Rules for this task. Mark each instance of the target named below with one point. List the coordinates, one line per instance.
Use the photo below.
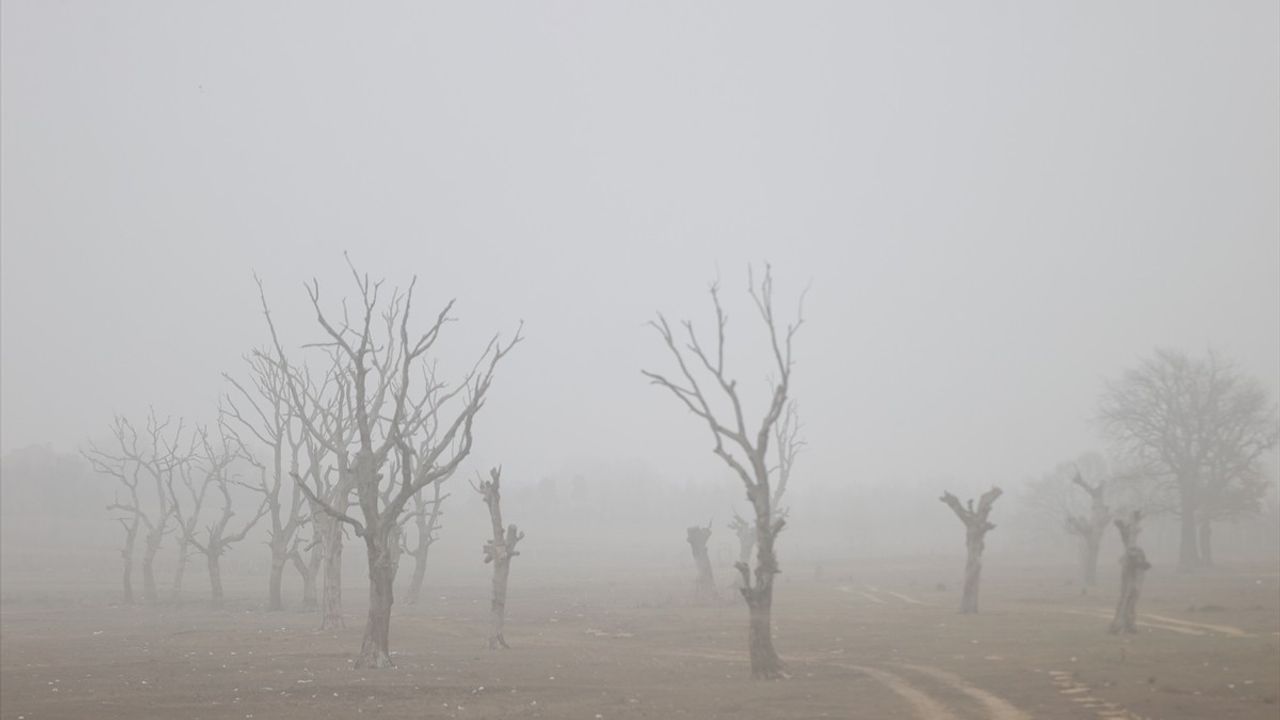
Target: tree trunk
(765, 663)
(419, 572)
(130, 539)
(275, 598)
(148, 571)
(215, 578)
(175, 595)
(1188, 545)
(1206, 544)
(972, 573)
(375, 650)
(705, 585)
(331, 593)
(307, 570)
(1090, 547)
(498, 605)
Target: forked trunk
(375, 650)
(1133, 568)
(704, 585)
(308, 569)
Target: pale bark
(426, 518)
(976, 528)
(1133, 569)
(704, 586)
(130, 539)
(746, 454)
(1091, 529)
(499, 550)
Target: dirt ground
(859, 642)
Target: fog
(995, 208)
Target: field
(884, 643)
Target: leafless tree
(976, 527)
(129, 512)
(498, 550)
(378, 362)
(186, 519)
(155, 458)
(1133, 568)
(747, 454)
(1090, 528)
(212, 473)
(259, 410)
(704, 586)
(426, 519)
(787, 440)
(1198, 429)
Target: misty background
(995, 211)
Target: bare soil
(880, 643)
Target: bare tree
(187, 520)
(426, 519)
(1198, 429)
(1090, 529)
(260, 409)
(1133, 568)
(746, 454)
(976, 528)
(498, 550)
(154, 457)
(214, 469)
(704, 587)
(129, 511)
(378, 361)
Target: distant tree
(498, 550)
(976, 528)
(211, 473)
(1074, 494)
(1197, 429)
(1133, 568)
(704, 586)
(257, 413)
(426, 519)
(153, 458)
(748, 455)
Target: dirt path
(997, 707)
(924, 707)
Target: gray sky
(997, 204)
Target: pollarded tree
(498, 550)
(746, 453)
(1133, 568)
(1198, 429)
(704, 586)
(155, 458)
(426, 519)
(431, 427)
(976, 527)
(1090, 528)
(211, 473)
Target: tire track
(924, 706)
(997, 707)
